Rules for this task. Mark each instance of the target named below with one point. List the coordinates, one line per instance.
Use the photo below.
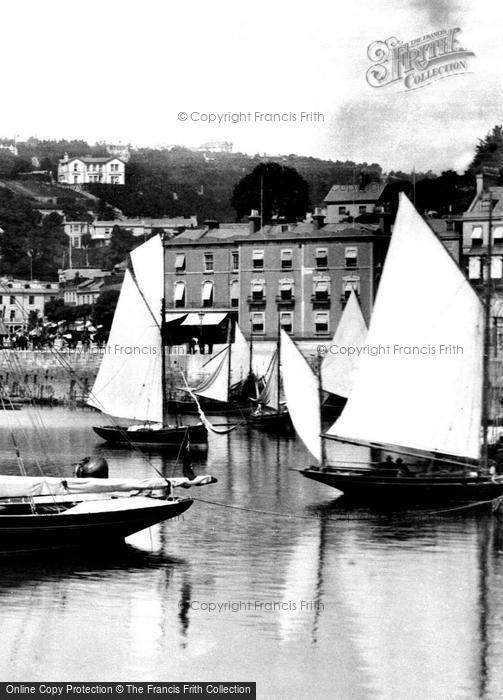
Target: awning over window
(474, 268)
(180, 261)
(351, 284)
(321, 287)
(285, 285)
(179, 291)
(258, 255)
(206, 319)
(351, 252)
(477, 232)
(258, 285)
(170, 318)
(207, 290)
(498, 233)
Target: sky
(122, 71)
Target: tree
(121, 243)
(280, 190)
(104, 308)
(489, 151)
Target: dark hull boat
(277, 423)
(396, 491)
(73, 524)
(172, 438)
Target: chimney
(480, 183)
(254, 221)
(318, 218)
(211, 224)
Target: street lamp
(201, 317)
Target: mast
(163, 363)
(487, 335)
(278, 368)
(320, 394)
(229, 339)
(250, 368)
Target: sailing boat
(421, 390)
(39, 513)
(230, 380)
(131, 382)
(338, 368)
(272, 413)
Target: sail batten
(302, 395)
(420, 383)
(338, 369)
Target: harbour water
(266, 578)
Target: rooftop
(353, 193)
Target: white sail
(240, 357)
(422, 387)
(128, 384)
(270, 394)
(339, 365)
(31, 486)
(302, 395)
(216, 385)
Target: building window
(234, 293)
(362, 209)
(476, 236)
(342, 210)
(321, 290)
(286, 321)
(258, 290)
(1, 299)
(321, 258)
(258, 259)
(496, 267)
(321, 322)
(474, 267)
(286, 290)
(498, 235)
(350, 284)
(180, 262)
(13, 300)
(286, 259)
(31, 299)
(12, 314)
(258, 319)
(207, 294)
(179, 295)
(235, 261)
(208, 262)
(351, 257)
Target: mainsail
(339, 365)
(270, 395)
(128, 384)
(216, 385)
(302, 395)
(419, 385)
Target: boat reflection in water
(400, 604)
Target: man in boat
(403, 469)
(188, 472)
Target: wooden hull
(168, 438)
(397, 491)
(24, 533)
(276, 423)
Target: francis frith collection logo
(419, 62)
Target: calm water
(365, 606)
